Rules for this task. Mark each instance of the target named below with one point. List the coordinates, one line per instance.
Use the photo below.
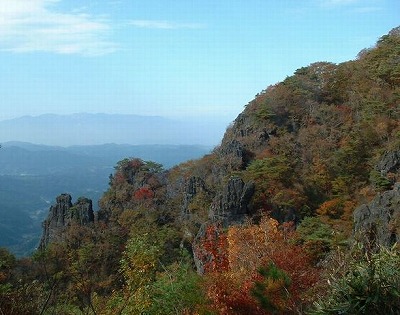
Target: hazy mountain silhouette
(90, 129)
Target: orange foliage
(319, 174)
(266, 153)
(248, 248)
(3, 277)
(337, 208)
(228, 296)
(348, 209)
(135, 163)
(332, 208)
(119, 179)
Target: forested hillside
(296, 211)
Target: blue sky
(203, 59)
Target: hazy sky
(179, 58)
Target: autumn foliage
(235, 264)
(307, 152)
(143, 194)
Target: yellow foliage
(249, 246)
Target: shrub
(369, 286)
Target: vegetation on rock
(258, 226)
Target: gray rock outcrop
(233, 204)
(63, 214)
(378, 223)
(389, 163)
(193, 186)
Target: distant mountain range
(90, 129)
(24, 158)
(31, 176)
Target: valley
(31, 176)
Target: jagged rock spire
(62, 214)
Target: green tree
(316, 237)
(273, 289)
(177, 290)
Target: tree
(272, 290)
(249, 249)
(177, 290)
(317, 237)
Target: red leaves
(143, 193)
(228, 296)
(232, 259)
(212, 250)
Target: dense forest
(297, 211)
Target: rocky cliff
(63, 214)
(232, 204)
(306, 146)
(378, 222)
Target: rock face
(63, 214)
(234, 152)
(193, 186)
(378, 223)
(229, 207)
(389, 163)
(232, 205)
(244, 129)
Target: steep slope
(304, 147)
(378, 222)
(310, 143)
(259, 215)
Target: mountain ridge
(95, 129)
